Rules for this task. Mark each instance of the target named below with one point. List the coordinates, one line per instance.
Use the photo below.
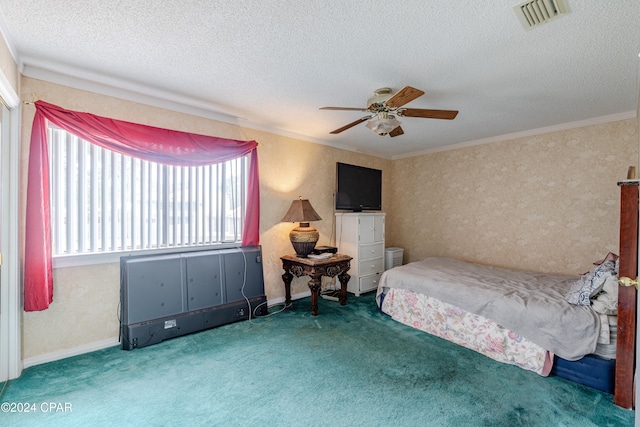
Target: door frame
(10, 280)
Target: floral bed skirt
(466, 329)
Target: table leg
(344, 279)
(287, 278)
(314, 286)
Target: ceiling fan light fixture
(383, 124)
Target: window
(103, 202)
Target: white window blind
(102, 201)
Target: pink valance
(144, 142)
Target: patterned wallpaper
(548, 202)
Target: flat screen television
(358, 188)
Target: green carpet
(348, 366)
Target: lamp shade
(304, 237)
(301, 211)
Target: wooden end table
(337, 265)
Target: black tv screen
(358, 188)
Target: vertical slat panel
(71, 195)
(123, 204)
(183, 207)
(205, 204)
(175, 204)
(231, 223)
(164, 218)
(219, 197)
(143, 181)
(115, 206)
(104, 196)
(132, 204)
(236, 181)
(177, 197)
(81, 180)
(197, 201)
(185, 190)
(155, 205)
(229, 201)
(222, 201)
(243, 198)
(213, 221)
(147, 217)
(154, 193)
(208, 204)
(189, 190)
(94, 193)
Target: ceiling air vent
(537, 12)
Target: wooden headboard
(627, 295)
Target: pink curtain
(145, 142)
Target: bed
(536, 321)
(515, 317)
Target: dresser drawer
(370, 266)
(369, 283)
(371, 250)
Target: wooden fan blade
(350, 125)
(428, 114)
(344, 109)
(396, 132)
(407, 94)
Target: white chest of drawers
(361, 236)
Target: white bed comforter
(531, 304)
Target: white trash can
(392, 257)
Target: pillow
(606, 302)
(590, 284)
(610, 257)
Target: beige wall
(547, 203)
(85, 306)
(8, 66)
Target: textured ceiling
(270, 64)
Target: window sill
(66, 261)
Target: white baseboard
(280, 300)
(99, 345)
(63, 354)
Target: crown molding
(525, 134)
(4, 31)
(122, 89)
(128, 91)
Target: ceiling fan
(384, 106)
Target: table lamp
(304, 237)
